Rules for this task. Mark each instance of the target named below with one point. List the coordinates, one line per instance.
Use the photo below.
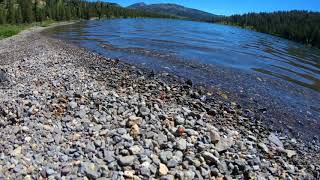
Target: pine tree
(2, 13)
(27, 11)
(11, 16)
(37, 11)
(68, 13)
(19, 18)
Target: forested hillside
(27, 11)
(301, 26)
(174, 10)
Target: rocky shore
(66, 113)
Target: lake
(256, 69)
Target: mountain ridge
(174, 10)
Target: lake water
(255, 68)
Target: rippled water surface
(260, 71)
(265, 73)
(162, 42)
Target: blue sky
(228, 7)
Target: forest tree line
(300, 26)
(28, 11)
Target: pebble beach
(68, 113)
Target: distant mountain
(137, 5)
(114, 4)
(174, 10)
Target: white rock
(17, 151)
(163, 170)
(290, 153)
(215, 136)
(129, 174)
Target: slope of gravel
(66, 113)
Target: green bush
(47, 23)
(10, 30)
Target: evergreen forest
(300, 26)
(28, 11)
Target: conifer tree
(19, 18)
(11, 17)
(27, 13)
(2, 13)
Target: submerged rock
(275, 140)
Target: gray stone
(224, 144)
(49, 171)
(144, 111)
(180, 175)
(172, 163)
(122, 131)
(179, 120)
(275, 140)
(263, 147)
(181, 144)
(126, 160)
(252, 138)
(18, 168)
(65, 170)
(135, 149)
(109, 156)
(90, 170)
(178, 155)
(189, 175)
(215, 171)
(191, 132)
(199, 176)
(81, 114)
(153, 168)
(204, 172)
(167, 177)
(64, 158)
(165, 156)
(256, 168)
(145, 171)
(210, 158)
(161, 138)
(90, 147)
(241, 163)
(73, 105)
(215, 136)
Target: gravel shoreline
(66, 113)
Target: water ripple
(203, 43)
